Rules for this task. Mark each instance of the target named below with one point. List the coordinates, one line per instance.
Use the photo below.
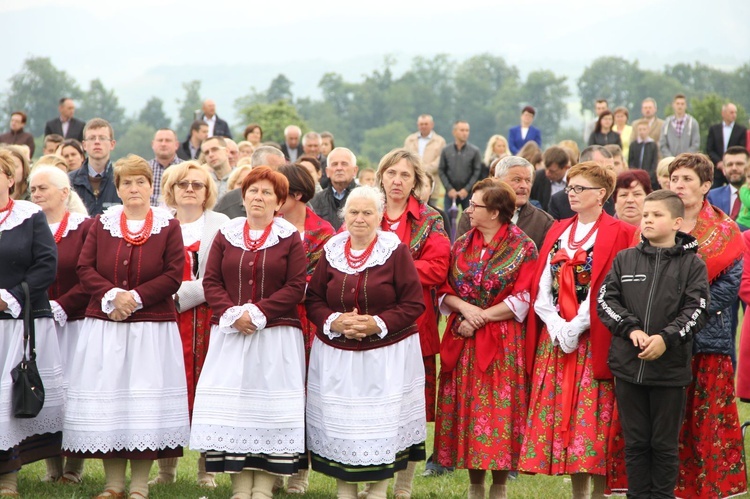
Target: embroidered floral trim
(13, 306)
(59, 313)
(247, 440)
(22, 211)
(111, 220)
(334, 248)
(234, 229)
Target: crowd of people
(279, 309)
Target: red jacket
(67, 290)
(153, 270)
(613, 236)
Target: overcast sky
(122, 41)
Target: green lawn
(445, 487)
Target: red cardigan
(743, 371)
(273, 279)
(153, 270)
(614, 235)
(67, 290)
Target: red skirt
(481, 415)
(195, 331)
(711, 464)
(543, 449)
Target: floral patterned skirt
(711, 464)
(544, 449)
(481, 416)
(195, 331)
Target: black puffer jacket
(660, 291)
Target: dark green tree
(273, 118)
(136, 140)
(611, 78)
(189, 104)
(36, 90)
(99, 102)
(279, 89)
(153, 114)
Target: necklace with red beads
(139, 237)
(356, 262)
(253, 244)
(9, 209)
(390, 221)
(575, 245)
(61, 229)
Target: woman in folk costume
(27, 254)
(314, 232)
(420, 227)
(127, 397)
(711, 463)
(189, 189)
(483, 393)
(249, 413)
(572, 394)
(365, 392)
(69, 223)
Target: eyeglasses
(473, 205)
(578, 189)
(194, 184)
(99, 138)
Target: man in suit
(231, 204)
(66, 125)
(292, 147)
(191, 148)
(726, 198)
(648, 115)
(217, 127)
(721, 137)
(559, 205)
(519, 135)
(428, 145)
(553, 178)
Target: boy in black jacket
(654, 300)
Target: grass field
(453, 486)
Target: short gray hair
(309, 136)
(261, 154)
(369, 193)
(289, 128)
(348, 151)
(508, 162)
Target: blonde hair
(662, 168)
(51, 160)
(599, 175)
(235, 175)
(177, 172)
(489, 151)
(414, 161)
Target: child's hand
(655, 347)
(639, 338)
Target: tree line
(375, 114)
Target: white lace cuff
(14, 308)
(327, 326)
(137, 298)
(58, 312)
(568, 337)
(258, 317)
(554, 328)
(228, 318)
(519, 305)
(381, 325)
(107, 306)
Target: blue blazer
(720, 198)
(516, 142)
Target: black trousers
(651, 419)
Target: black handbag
(28, 391)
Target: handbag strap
(29, 337)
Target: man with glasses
(215, 154)
(165, 145)
(94, 181)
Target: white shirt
(65, 126)
(727, 131)
(211, 122)
(422, 143)
(524, 131)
